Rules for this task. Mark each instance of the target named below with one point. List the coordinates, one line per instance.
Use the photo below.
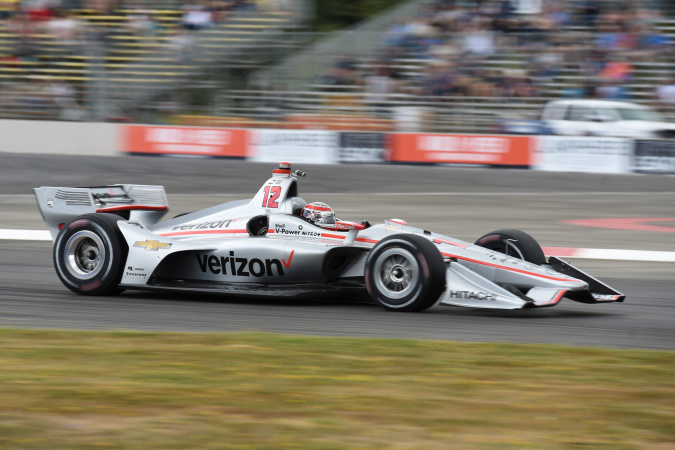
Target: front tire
(405, 272)
(89, 255)
(514, 242)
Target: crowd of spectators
(59, 36)
(87, 22)
(460, 49)
(455, 48)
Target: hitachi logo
(470, 295)
(242, 267)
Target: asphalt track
(462, 202)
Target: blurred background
(368, 65)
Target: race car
(111, 238)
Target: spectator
(481, 85)
(517, 84)
(610, 38)
(197, 17)
(64, 99)
(343, 73)
(558, 16)
(591, 63)
(395, 35)
(182, 45)
(379, 86)
(141, 23)
(66, 32)
(447, 19)
(618, 69)
(504, 19)
(587, 12)
(653, 44)
(546, 65)
(479, 41)
(443, 51)
(25, 32)
(612, 89)
(440, 80)
(39, 10)
(665, 92)
(64, 28)
(419, 32)
(103, 7)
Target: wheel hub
(85, 254)
(397, 273)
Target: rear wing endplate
(142, 203)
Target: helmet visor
(325, 218)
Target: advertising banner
(296, 146)
(184, 141)
(654, 156)
(582, 154)
(460, 149)
(362, 148)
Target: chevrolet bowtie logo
(151, 245)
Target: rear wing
(59, 205)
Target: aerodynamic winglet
(598, 292)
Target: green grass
(77, 390)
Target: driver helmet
(319, 214)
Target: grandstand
(110, 62)
(428, 65)
(331, 85)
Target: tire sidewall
(107, 279)
(416, 300)
(525, 244)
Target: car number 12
(270, 198)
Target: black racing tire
(405, 272)
(90, 253)
(520, 245)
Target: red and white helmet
(320, 214)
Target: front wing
(467, 288)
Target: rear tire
(405, 272)
(520, 245)
(90, 253)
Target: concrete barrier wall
(59, 138)
(553, 153)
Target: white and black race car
(108, 239)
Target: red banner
(184, 141)
(460, 149)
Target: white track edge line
(25, 235)
(616, 254)
(435, 193)
(582, 253)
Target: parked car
(586, 117)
